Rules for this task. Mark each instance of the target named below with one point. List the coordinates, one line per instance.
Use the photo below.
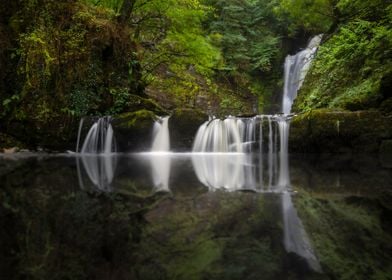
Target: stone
(325, 131)
(183, 126)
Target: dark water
(195, 217)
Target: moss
(135, 103)
(351, 70)
(324, 130)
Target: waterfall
(161, 162)
(231, 135)
(161, 140)
(99, 139)
(295, 69)
(244, 136)
(238, 135)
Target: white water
(222, 154)
(161, 139)
(295, 69)
(99, 139)
(239, 135)
(161, 163)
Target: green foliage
(110, 4)
(349, 67)
(314, 15)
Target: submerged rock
(324, 131)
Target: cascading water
(161, 164)
(96, 153)
(295, 69)
(99, 139)
(161, 140)
(239, 134)
(235, 140)
(296, 239)
(243, 136)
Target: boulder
(183, 126)
(133, 130)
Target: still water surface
(195, 216)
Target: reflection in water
(100, 170)
(296, 239)
(160, 164)
(228, 171)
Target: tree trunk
(126, 10)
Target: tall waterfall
(271, 132)
(295, 69)
(99, 139)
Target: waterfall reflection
(228, 171)
(100, 170)
(160, 170)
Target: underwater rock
(324, 131)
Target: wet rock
(133, 130)
(183, 126)
(136, 103)
(324, 131)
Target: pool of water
(195, 216)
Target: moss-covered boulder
(183, 126)
(339, 131)
(133, 130)
(136, 103)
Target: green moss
(134, 119)
(324, 130)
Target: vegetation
(64, 60)
(352, 70)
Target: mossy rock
(183, 126)
(137, 103)
(133, 130)
(328, 131)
